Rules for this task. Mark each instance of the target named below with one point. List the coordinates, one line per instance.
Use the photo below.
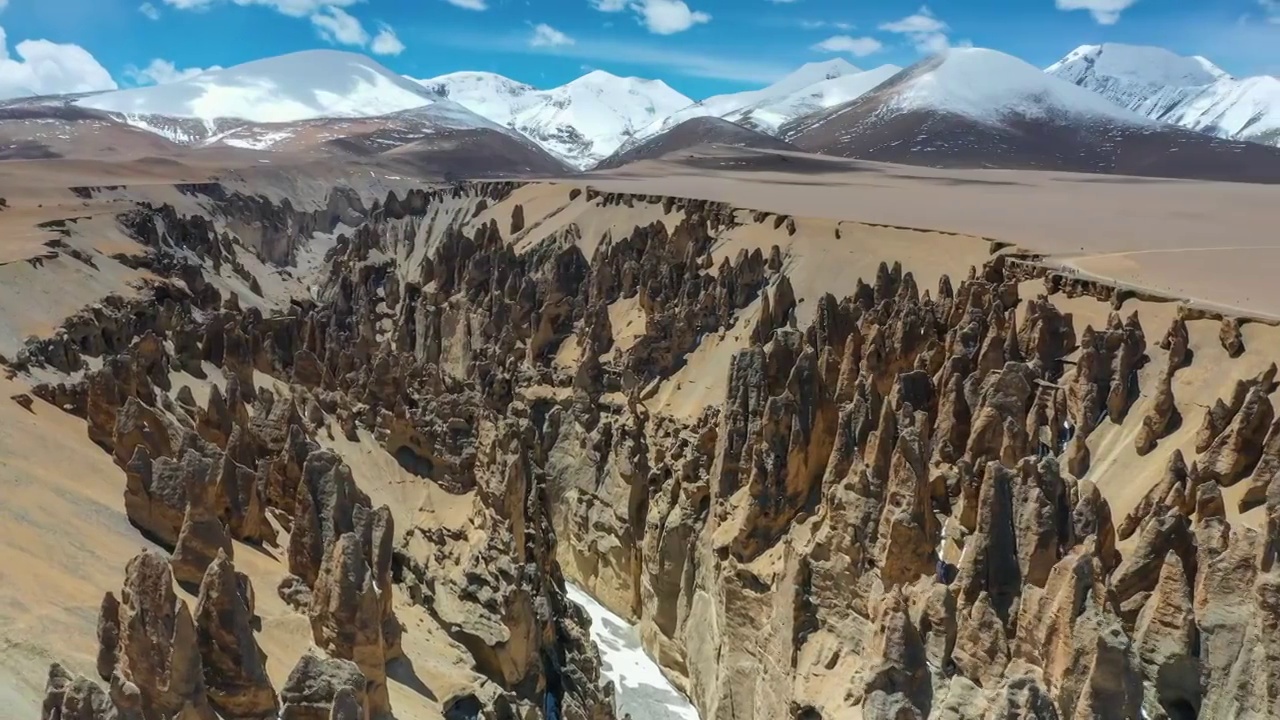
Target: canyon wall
(827, 479)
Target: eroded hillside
(832, 470)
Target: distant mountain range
(980, 108)
(1103, 108)
(1189, 92)
(582, 122)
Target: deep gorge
(815, 500)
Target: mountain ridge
(974, 108)
(309, 100)
(1190, 92)
(582, 122)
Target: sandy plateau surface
(1210, 241)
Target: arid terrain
(310, 437)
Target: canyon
(285, 442)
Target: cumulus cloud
(546, 36)
(386, 42)
(336, 25)
(925, 31)
(48, 68)
(856, 46)
(469, 4)
(1104, 12)
(923, 21)
(149, 10)
(667, 17)
(159, 72)
(330, 20)
(661, 17)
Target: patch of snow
(154, 125)
(642, 689)
(260, 141)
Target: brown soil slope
(691, 134)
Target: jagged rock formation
(199, 477)
(235, 667)
(323, 688)
(890, 512)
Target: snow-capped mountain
(490, 95)
(770, 113)
(975, 108)
(988, 86)
(288, 88)
(582, 122)
(1188, 91)
(723, 106)
(264, 103)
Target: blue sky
(700, 47)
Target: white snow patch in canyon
(642, 689)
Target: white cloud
(335, 25)
(292, 8)
(820, 24)
(469, 4)
(925, 31)
(49, 68)
(546, 36)
(856, 46)
(923, 21)
(667, 17)
(386, 42)
(331, 21)
(661, 17)
(149, 10)
(159, 72)
(1105, 12)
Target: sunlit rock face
(643, 691)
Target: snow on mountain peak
(813, 72)
(739, 103)
(771, 113)
(289, 88)
(468, 81)
(1188, 91)
(1152, 65)
(582, 121)
(988, 85)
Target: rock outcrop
(234, 666)
(890, 512)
